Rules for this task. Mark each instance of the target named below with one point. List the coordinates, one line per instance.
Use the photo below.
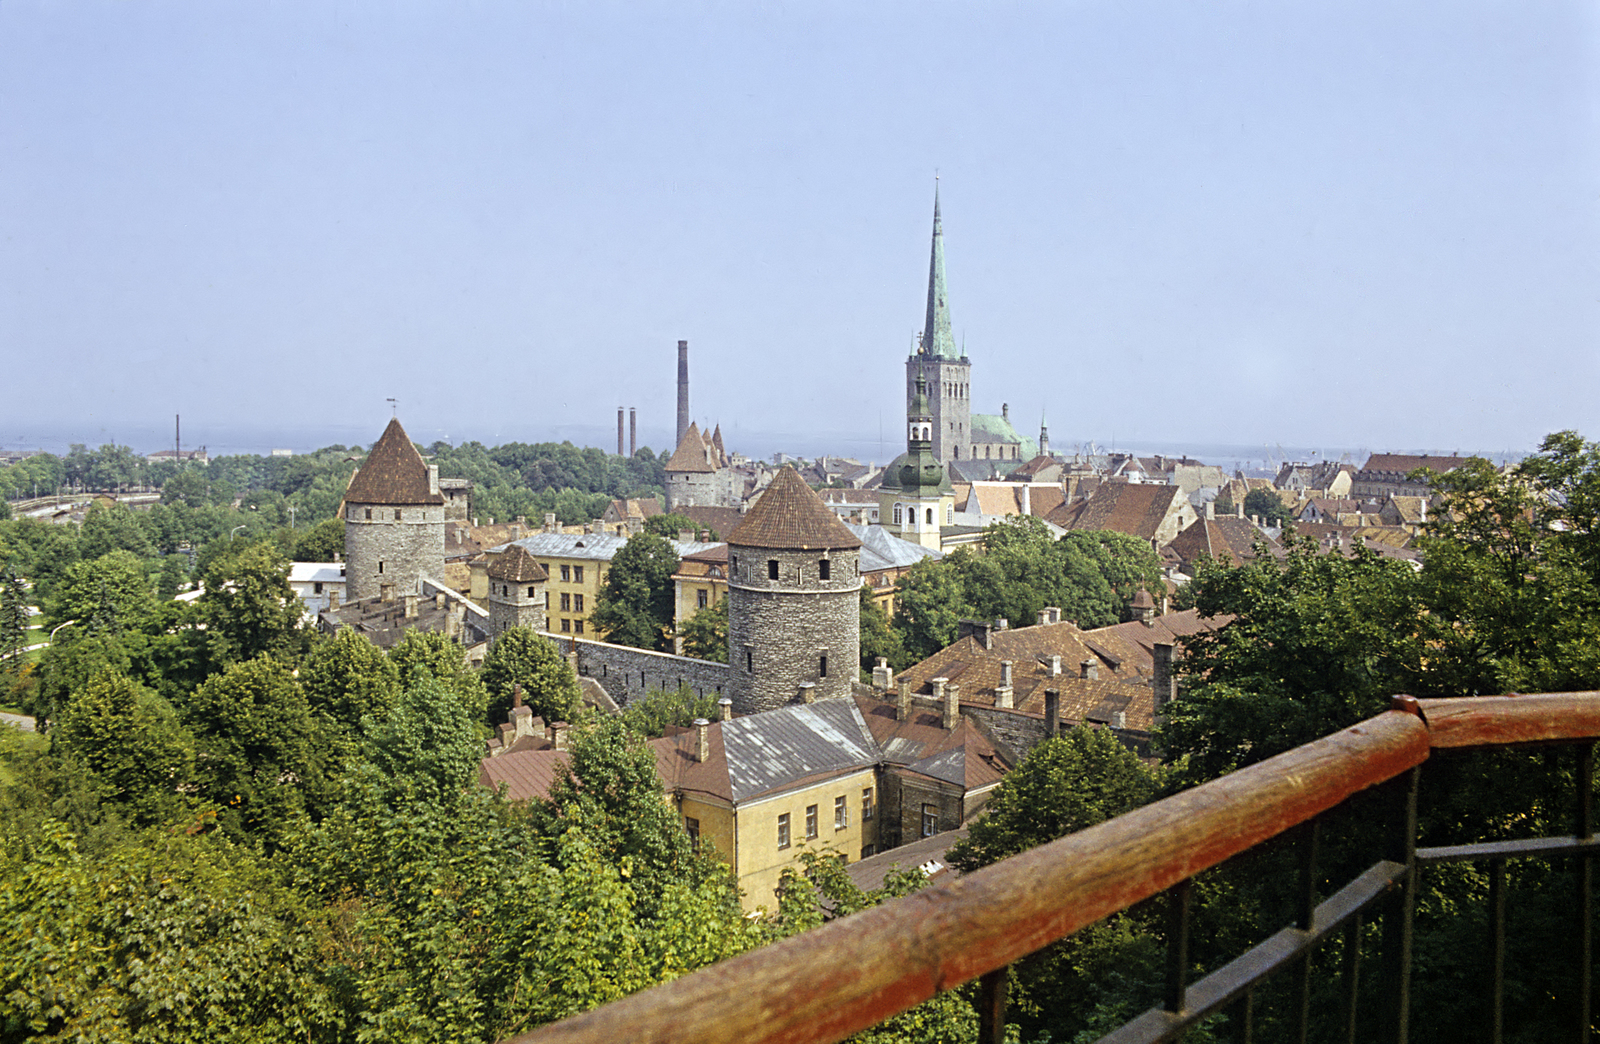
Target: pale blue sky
(1358, 224)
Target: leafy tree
(13, 613)
(671, 524)
(1317, 642)
(67, 666)
(133, 744)
(428, 739)
(346, 678)
(115, 528)
(1082, 777)
(519, 656)
(929, 605)
(249, 608)
(170, 937)
(610, 787)
(651, 714)
(878, 636)
(635, 603)
(1265, 504)
(174, 574)
(260, 755)
(321, 542)
(435, 654)
(110, 592)
(705, 634)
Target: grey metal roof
(881, 549)
(768, 751)
(951, 766)
(600, 547)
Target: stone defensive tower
(516, 591)
(794, 611)
(393, 521)
(946, 371)
(683, 390)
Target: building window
(692, 825)
(566, 626)
(577, 626)
(930, 516)
(930, 820)
(316, 588)
(547, 601)
(811, 822)
(700, 598)
(867, 851)
(783, 830)
(577, 603)
(866, 803)
(822, 667)
(566, 602)
(397, 514)
(824, 569)
(577, 574)
(841, 813)
(533, 592)
(369, 513)
(898, 517)
(380, 567)
(772, 569)
(566, 574)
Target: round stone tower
(794, 611)
(393, 521)
(516, 591)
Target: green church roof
(936, 337)
(989, 427)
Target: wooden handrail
(855, 972)
(1500, 721)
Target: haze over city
(1165, 226)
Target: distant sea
(263, 439)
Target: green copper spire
(936, 337)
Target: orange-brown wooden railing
(855, 972)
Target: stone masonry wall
(408, 550)
(779, 630)
(516, 610)
(627, 673)
(1017, 733)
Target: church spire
(936, 337)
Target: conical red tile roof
(516, 566)
(790, 516)
(393, 473)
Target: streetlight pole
(232, 531)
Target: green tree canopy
(249, 608)
(1267, 505)
(635, 604)
(131, 741)
(346, 678)
(651, 714)
(705, 634)
(520, 656)
(436, 654)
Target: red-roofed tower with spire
(393, 521)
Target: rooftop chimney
(882, 676)
(1163, 682)
(1052, 713)
(1089, 669)
(433, 479)
(952, 706)
(702, 747)
(550, 522)
(904, 707)
(808, 692)
(1003, 693)
(1055, 665)
(558, 735)
(725, 708)
(411, 607)
(1027, 501)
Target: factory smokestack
(683, 391)
(633, 431)
(619, 431)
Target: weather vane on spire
(394, 407)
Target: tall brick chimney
(619, 431)
(633, 431)
(702, 746)
(683, 392)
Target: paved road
(19, 721)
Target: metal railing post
(1398, 917)
(1497, 949)
(992, 1007)
(1310, 837)
(1352, 976)
(1178, 943)
(1585, 831)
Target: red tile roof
(790, 516)
(393, 473)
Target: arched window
(897, 516)
(930, 516)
